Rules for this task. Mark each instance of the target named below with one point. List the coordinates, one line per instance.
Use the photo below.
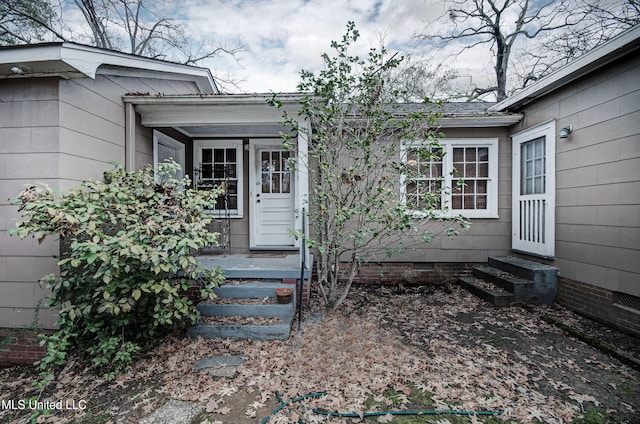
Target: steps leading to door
(239, 306)
(509, 280)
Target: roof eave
(70, 60)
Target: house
(586, 117)
(67, 110)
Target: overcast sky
(284, 36)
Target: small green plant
(127, 258)
(592, 416)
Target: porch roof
(202, 115)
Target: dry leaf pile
(466, 354)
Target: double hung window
(219, 164)
(459, 177)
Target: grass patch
(415, 399)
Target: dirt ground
(422, 350)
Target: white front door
(272, 192)
(533, 208)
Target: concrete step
(534, 271)
(250, 290)
(495, 297)
(250, 331)
(516, 285)
(244, 332)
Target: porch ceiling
(238, 130)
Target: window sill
(220, 215)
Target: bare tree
(502, 24)
(418, 78)
(603, 19)
(140, 27)
(144, 28)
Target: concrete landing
(258, 266)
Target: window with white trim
(460, 177)
(220, 164)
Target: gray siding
(597, 176)
(29, 152)
(487, 236)
(58, 132)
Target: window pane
(436, 170)
(456, 202)
(276, 160)
(483, 154)
(218, 155)
(231, 171)
(286, 182)
(458, 169)
(218, 171)
(483, 170)
(232, 187)
(233, 202)
(458, 155)
(470, 154)
(529, 169)
(231, 155)
(470, 170)
(266, 183)
(481, 186)
(539, 187)
(275, 187)
(285, 161)
(265, 161)
(470, 188)
(207, 171)
(469, 202)
(539, 148)
(538, 169)
(481, 202)
(207, 155)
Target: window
(459, 178)
(219, 164)
(532, 178)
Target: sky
(285, 36)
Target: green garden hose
(284, 404)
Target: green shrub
(127, 258)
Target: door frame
(255, 181)
(546, 249)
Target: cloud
(285, 36)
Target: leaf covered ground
(420, 350)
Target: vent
(626, 301)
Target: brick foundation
(20, 346)
(597, 303)
(410, 273)
(306, 294)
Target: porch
(259, 266)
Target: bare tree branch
(503, 25)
